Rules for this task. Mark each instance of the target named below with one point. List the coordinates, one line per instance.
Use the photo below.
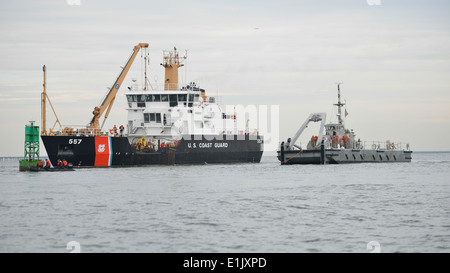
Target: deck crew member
(47, 164)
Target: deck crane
(108, 101)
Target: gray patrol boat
(335, 144)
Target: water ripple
(230, 208)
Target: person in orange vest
(47, 164)
(121, 128)
(64, 163)
(139, 144)
(59, 164)
(115, 130)
(39, 164)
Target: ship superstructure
(172, 110)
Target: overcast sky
(393, 58)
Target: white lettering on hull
(204, 145)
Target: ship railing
(167, 87)
(214, 99)
(368, 145)
(159, 87)
(79, 131)
(383, 145)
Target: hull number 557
(75, 141)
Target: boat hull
(343, 156)
(87, 151)
(37, 169)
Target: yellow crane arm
(111, 96)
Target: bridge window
(148, 98)
(156, 97)
(152, 117)
(131, 98)
(164, 98)
(173, 100)
(140, 98)
(191, 100)
(182, 97)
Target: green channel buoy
(31, 147)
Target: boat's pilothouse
(174, 113)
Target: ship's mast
(44, 99)
(171, 63)
(146, 61)
(43, 105)
(339, 104)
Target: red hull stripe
(103, 153)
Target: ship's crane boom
(314, 117)
(107, 103)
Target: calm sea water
(404, 207)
